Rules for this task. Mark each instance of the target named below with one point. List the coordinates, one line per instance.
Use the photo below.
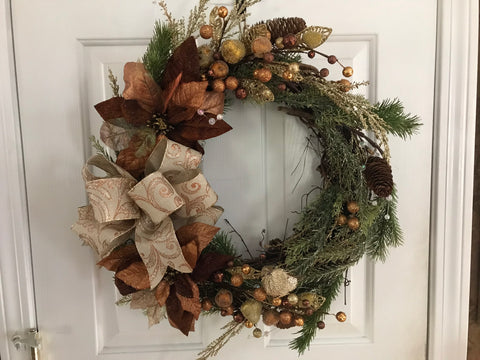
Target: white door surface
(63, 50)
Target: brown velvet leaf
(134, 157)
(168, 92)
(198, 128)
(193, 238)
(184, 60)
(115, 137)
(183, 285)
(123, 288)
(134, 114)
(177, 317)
(213, 102)
(120, 258)
(162, 292)
(140, 86)
(209, 263)
(135, 275)
(143, 299)
(185, 102)
(110, 109)
(190, 304)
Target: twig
(240, 236)
(370, 141)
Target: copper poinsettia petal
(184, 285)
(189, 303)
(123, 288)
(184, 60)
(162, 292)
(120, 258)
(193, 144)
(110, 109)
(213, 102)
(199, 128)
(140, 86)
(135, 275)
(208, 264)
(134, 114)
(193, 238)
(168, 93)
(134, 157)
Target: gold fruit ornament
(233, 51)
(252, 310)
(219, 69)
(206, 31)
(312, 39)
(260, 46)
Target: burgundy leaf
(199, 128)
(209, 263)
(184, 60)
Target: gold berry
(353, 207)
(353, 223)
(218, 85)
(231, 83)
(236, 280)
(246, 269)
(260, 294)
(222, 11)
(257, 333)
(248, 324)
(347, 71)
(292, 299)
(341, 220)
(277, 302)
(206, 31)
(299, 321)
(288, 75)
(219, 69)
(341, 316)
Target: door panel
(259, 171)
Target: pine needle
(158, 51)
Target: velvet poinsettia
(180, 107)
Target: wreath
(151, 218)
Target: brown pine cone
(280, 27)
(378, 175)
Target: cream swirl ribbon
(120, 206)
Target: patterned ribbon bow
(119, 205)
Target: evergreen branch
(222, 244)
(113, 83)
(100, 149)
(158, 51)
(398, 122)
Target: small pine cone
(280, 27)
(378, 174)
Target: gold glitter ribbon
(120, 206)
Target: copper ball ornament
(238, 317)
(218, 85)
(324, 72)
(346, 85)
(321, 325)
(246, 269)
(219, 69)
(263, 75)
(353, 207)
(299, 321)
(248, 324)
(231, 83)
(311, 54)
(341, 316)
(289, 41)
(222, 11)
(227, 311)
(268, 57)
(241, 93)
(341, 220)
(277, 302)
(286, 317)
(347, 71)
(259, 294)
(236, 280)
(224, 298)
(353, 223)
(332, 59)
(309, 312)
(206, 31)
(271, 317)
(206, 305)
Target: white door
(63, 50)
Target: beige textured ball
(278, 283)
(260, 46)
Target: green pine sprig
(159, 50)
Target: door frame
(451, 197)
